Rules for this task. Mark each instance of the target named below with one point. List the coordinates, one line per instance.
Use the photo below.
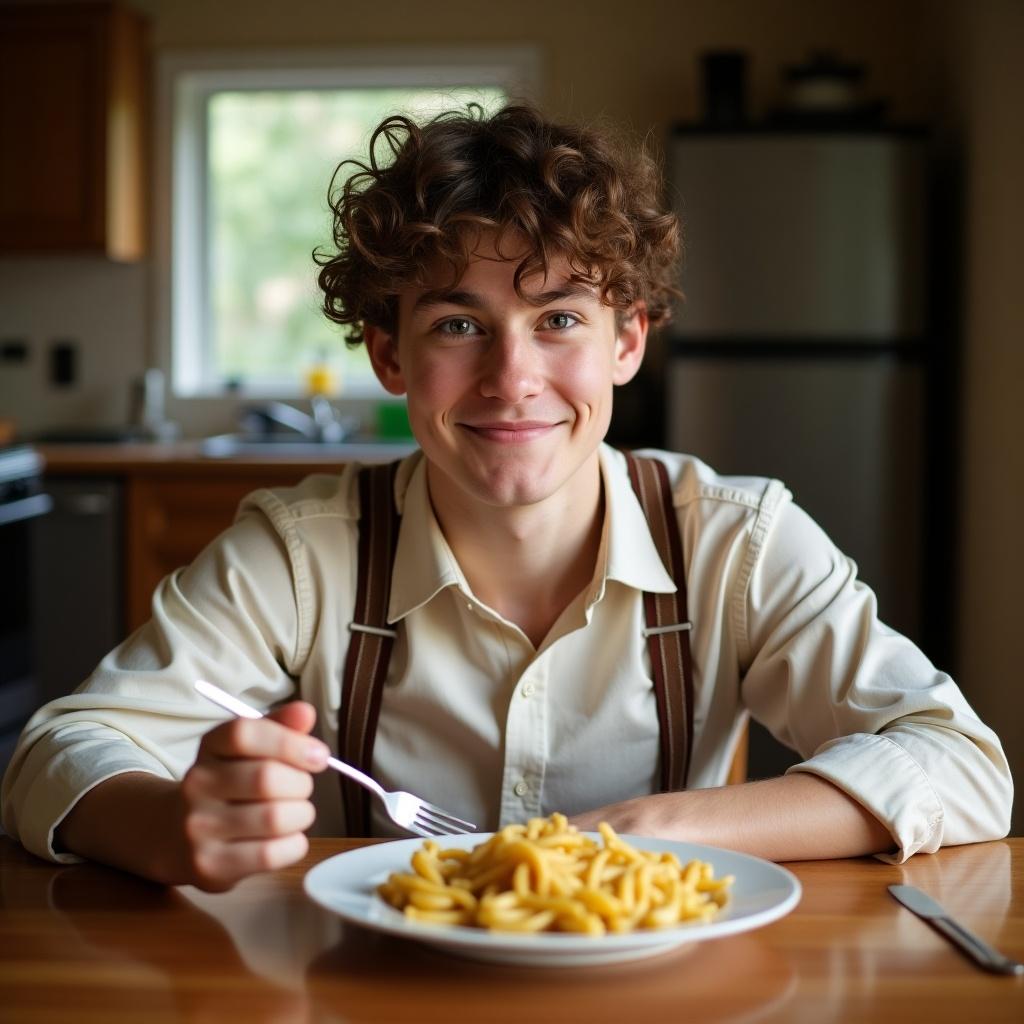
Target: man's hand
(243, 807)
(663, 815)
(245, 802)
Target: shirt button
(521, 789)
(529, 690)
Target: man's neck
(530, 562)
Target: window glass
(270, 157)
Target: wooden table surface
(84, 943)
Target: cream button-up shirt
(474, 718)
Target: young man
(503, 273)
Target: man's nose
(511, 368)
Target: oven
(22, 502)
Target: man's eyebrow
(455, 297)
(446, 297)
(570, 290)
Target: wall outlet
(64, 363)
(14, 351)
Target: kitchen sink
(355, 448)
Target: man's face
(508, 400)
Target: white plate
(346, 884)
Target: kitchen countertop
(166, 458)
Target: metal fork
(412, 813)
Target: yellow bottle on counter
(321, 378)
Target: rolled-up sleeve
(232, 617)
(862, 704)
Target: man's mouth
(510, 432)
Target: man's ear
(630, 344)
(383, 350)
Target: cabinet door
(71, 105)
(172, 518)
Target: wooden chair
(738, 768)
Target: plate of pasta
(544, 894)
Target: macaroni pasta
(547, 876)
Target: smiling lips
(515, 432)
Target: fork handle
(356, 775)
(243, 710)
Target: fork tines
(439, 822)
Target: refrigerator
(802, 349)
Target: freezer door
(801, 235)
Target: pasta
(547, 876)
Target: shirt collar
(425, 564)
(632, 557)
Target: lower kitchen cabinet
(170, 518)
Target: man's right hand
(242, 808)
(245, 801)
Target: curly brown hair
(575, 192)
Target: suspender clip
(658, 630)
(357, 627)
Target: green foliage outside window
(271, 157)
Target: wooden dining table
(84, 943)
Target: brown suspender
(369, 650)
(668, 625)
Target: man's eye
(457, 325)
(560, 321)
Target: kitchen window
(246, 149)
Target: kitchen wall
(951, 63)
(983, 98)
(100, 306)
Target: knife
(925, 907)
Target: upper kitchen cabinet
(72, 113)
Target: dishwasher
(77, 591)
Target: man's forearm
(796, 817)
(132, 822)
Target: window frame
(185, 81)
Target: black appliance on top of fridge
(803, 350)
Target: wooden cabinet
(171, 517)
(72, 118)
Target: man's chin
(509, 493)
(502, 478)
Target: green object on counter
(393, 420)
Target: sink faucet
(329, 425)
(325, 424)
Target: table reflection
(296, 962)
(864, 936)
(87, 942)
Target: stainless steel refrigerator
(802, 349)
